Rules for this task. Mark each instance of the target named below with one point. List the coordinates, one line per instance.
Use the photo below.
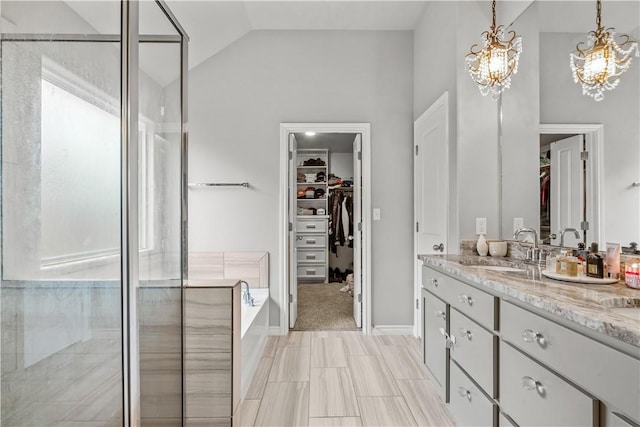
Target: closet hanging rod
(220, 184)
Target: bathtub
(255, 331)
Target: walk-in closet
(325, 230)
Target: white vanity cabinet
(460, 346)
(435, 354)
(598, 369)
(502, 362)
(533, 395)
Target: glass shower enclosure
(93, 204)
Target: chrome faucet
(246, 295)
(564, 230)
(534, 254)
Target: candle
(632, 274)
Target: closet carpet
(322, 307)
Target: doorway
(325, 249)
(570, 183)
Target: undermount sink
(625, 306)
(620, 302)
(502, 268)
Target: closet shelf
(312, 167)
(308, 184)
(314, 216)
(312, 200)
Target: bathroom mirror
(600, 191)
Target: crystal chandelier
(600, 65)
(492, 65)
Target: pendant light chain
(598, 14)
(493, 11)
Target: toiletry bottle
(595, 263)
(612, 260)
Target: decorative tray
(578, 279)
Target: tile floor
(341, 378)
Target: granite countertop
(586, 305)
(212, 283)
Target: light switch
(376, 214)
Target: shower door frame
(129, 39)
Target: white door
(293, 256)
(431, 187)
(567, 189)
(357, 230)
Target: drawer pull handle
(311, 226)
(449, 341)
(311, 256)
(465, 299)
(311, 241)
(434, 282)
(466, 333)
(530, 336)
(463, 392)
(311, 272)
(440, 313)
(531, 384)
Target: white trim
(365, 130)
(441, 102)
(275, 330)
(594, 140)
(392, 330)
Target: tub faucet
(534, 254)
(246, 295)
(564, 230)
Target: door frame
(283, 266)
(594, 141)
(451, 232)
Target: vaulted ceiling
(214, 25)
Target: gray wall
(520, 131)
(434, 72)
(237, 100)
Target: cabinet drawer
(311, 271)
(311, 226)
(475, 349)
(469, 406)
(434, 352)
(533, 395)
(311, 241)
(478, 305)
(564, 350)
(310, 257)
(437, 283)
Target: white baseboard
(392, 330)
(274, 330)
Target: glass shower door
(91, 236)
(60, 294)
(159, 220)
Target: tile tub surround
(576, 303)
(252, 267)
